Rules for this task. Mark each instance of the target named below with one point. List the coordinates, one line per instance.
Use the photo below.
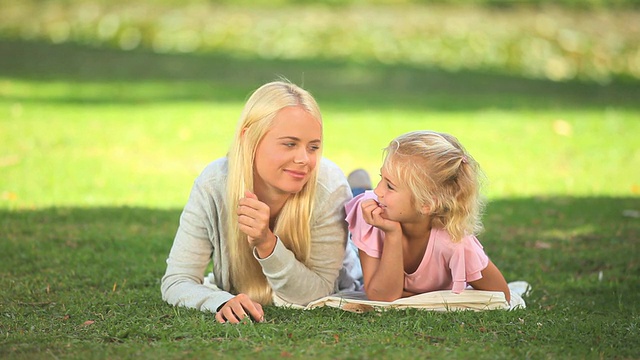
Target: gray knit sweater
(200, 239)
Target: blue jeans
(357, 191)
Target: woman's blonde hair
(442, 176)
(293, 223)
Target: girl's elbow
(377, 295)
(507, 295)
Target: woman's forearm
(296, 283)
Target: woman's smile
(301, 175)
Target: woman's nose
(301, 156)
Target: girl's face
(288, 152)
(395, 199)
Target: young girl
(415, 230)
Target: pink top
(445, 265)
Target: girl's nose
(378, 190)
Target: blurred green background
(557, 40)
(124, 102)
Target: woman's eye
(289, 144)
(314, 147)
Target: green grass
(99, 148)
(64, 267)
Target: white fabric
(442, 300)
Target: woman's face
(288, 152)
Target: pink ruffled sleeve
(366, 237)
(467, 263)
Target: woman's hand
(372, 214)
(238, 308)
(253, 220)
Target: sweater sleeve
(290, 279)
(182, 284)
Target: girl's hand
(238, 308)
(253, 221)
(372, 213)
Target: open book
(443, 300)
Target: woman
(270, 215)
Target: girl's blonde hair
(442, 177)
(293, 222)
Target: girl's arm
(384, 277)
(408, 294)
(492, 280)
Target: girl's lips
(380, 204)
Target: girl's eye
(289, 144)
(314, 147)
(389, 186)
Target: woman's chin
(292, 189)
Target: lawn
(99, 147)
